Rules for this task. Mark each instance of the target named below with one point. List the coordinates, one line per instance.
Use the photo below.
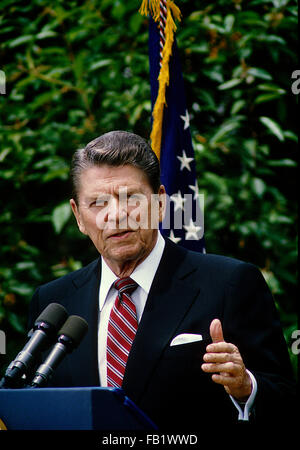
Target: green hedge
(76, 69)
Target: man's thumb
(216, 332)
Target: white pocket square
(186, 338)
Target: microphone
(69, 337)
(41, 336)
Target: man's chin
(133, 248)
(125, 253)
(121, 245)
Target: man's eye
(100, 203)
(94, 203)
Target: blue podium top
(86, 408)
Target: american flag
(184, 223)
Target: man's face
(118, 210)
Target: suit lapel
(84, 302)
(170, 298)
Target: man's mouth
(121, 235)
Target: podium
(85, 408)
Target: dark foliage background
(76, 69)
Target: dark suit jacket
(189, 290)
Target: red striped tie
(122, 327)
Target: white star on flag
(192, 230)
(178, 201)
(186, 119)
(173, 238)
(195, 188)
(185, 161)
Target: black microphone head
(74, 328)
(54, 314)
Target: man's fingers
(224, 379)
(217, 357)
(215, 330)
(228, 367)
(221, 347)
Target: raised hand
(224, 361)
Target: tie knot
(125, 285)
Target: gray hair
(116, 148)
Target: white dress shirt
(143, 275)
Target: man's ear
(76, 213)
(162, 202)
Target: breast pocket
(181, 365)
(192, 350)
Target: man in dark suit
(208, 347)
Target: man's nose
(117, 212)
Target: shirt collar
(143, 274)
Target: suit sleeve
(251, 322)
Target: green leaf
(273, 126)
(135, 22)
(25, 265)
(60, 216)
(272, 281)
(42, 99)
(22, 289)
(19, 41)
(225, 129)
(258, 186)
(102, 63)
(259, 73)
(228, 22)
(291, 135)
(266, 98)
(270, 38)
(79, 65)
(118, 10)
(271, 87)
(282, 163)
(230, 84)
(4, 153)
(237, 106)
(46, 34)
(195, 48)
(214, 74)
